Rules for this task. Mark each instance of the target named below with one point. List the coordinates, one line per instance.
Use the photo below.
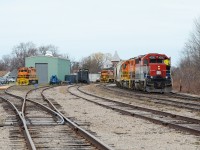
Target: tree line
(16, 59)
(186, 74)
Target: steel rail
(23, 125)
(22, 116)
(42, 106)
(92, 139)
(78, 130)
(155, 112)
(141, 108)
(49, 110)
(184, 96)
(187, 105)
(171, 94)
(51, 105)
(24, 101)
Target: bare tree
(75, 66)
(188, 69)
(2, 66)
(65, 56)
(21, 51)
(43, 49)
(95, 62)
(5, 62)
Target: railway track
(183, 96)
(44, 127)
(171, 99)
(190, 125)
(12, 123)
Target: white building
(111, 63)
(107, 64)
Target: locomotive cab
(157, 76)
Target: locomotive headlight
(158, 72)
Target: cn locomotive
(26, 76)
(150, 72)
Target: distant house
(107, 64)
(13, 74)
(4, 74)
(111, 63)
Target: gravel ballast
(4, 130)
(121, 131)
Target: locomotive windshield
(22, 70)
(156, 61)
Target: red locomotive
(150, 72)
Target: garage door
(42, 72)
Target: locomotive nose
(158, 72)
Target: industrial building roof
(48, 57)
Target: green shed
(46, 66)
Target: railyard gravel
(5, 142)
(137, 102)
(4, 138)
(4, 130)
(121, 131)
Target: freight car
(150, 72)
(83, 76)
(107, 75)
(26, 76)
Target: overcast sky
(82, 27)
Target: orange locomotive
(107, 76)
(150, 72)
(128, 73)
(27, 76)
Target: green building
(46, 66)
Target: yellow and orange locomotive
(107, 75)
(26, 76)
